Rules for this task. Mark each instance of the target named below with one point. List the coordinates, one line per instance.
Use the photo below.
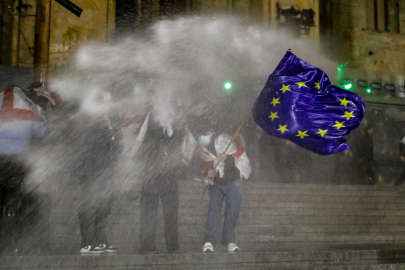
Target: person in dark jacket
(20, 122)
(363, 153)
(401, 178)
(161, 157)
(94, 168)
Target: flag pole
(249, 113)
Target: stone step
(257, 219)
(273, 217)
(304, 190)
(186, 238)
(283, 189)
(133, 184)
(75, 198)
(131, 247)
(202, 210)
(308, 198)
(257, 229)
(348, 259)
(274, 188)
(250, 205)
(245, 205)
(264, 184)
(128, 243)
(362, 266)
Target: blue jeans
(232, 194)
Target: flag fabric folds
(14, 105)
(298, 103)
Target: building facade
(45, 35)
(366, 38)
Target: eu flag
(298, 103)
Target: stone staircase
(281, 226)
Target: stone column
(42, 29)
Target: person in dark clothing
(342, 169)
(161, 157)
(20, 122)
(401, 178)
(94, 168)
(36, 230)
(225, 184)
(363, 153)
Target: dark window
(168, 8)
(383, 15)
(126, 15)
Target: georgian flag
(14, 105)
(236, 150)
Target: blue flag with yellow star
(298, 103)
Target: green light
(348, 86)
(340, 68)
(368, 90)
(227, 86)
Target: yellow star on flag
(322, 132)
(282, 128)
(285, 88)
(301, 84)
(317, 85)
(348, 115)
(344, 102)
(275, 101)
(338, 125)
(302, 134)
(273, 115)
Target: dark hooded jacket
(94, 141)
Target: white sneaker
(85, 250)
(232, 247)
(111, 249)
(208, 247)
(100, 248)
(89, 250)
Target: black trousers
(401, 178)
(165, 187)
(370, 174)
(94, 210)
(12, 174)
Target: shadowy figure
(20, 121)
(162, 159)
(401, 178)
(94, 168)
(363, 154)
